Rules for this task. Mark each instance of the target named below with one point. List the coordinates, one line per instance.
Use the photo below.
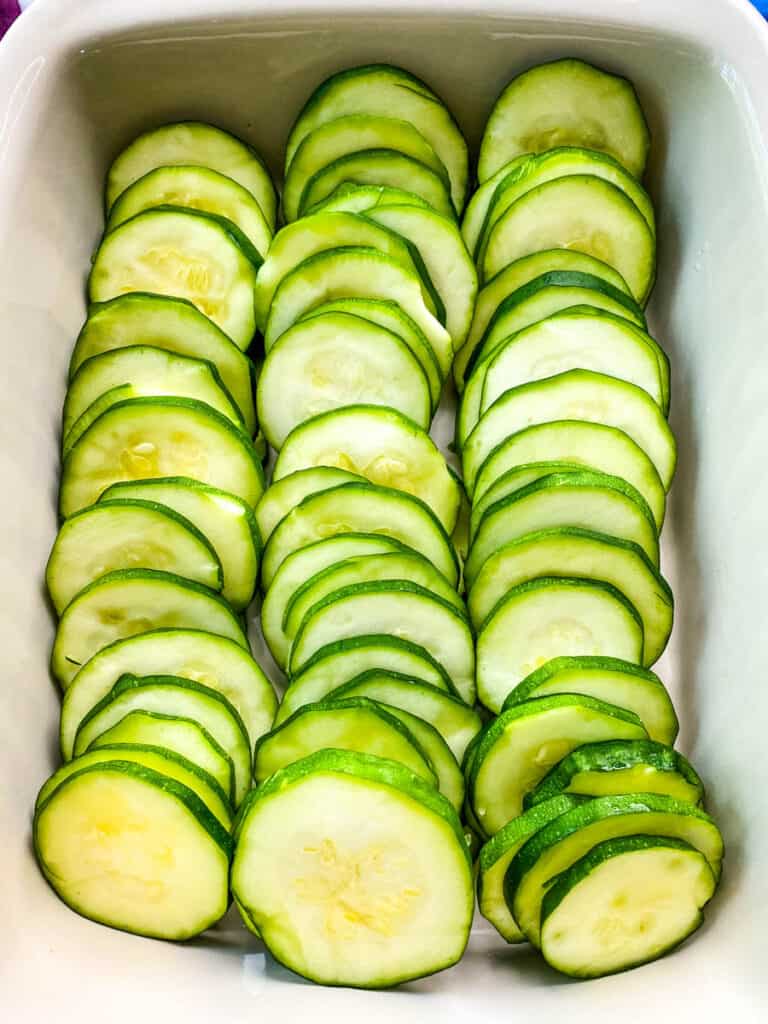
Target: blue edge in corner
(762, 6)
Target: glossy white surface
(77, 80)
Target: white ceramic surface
(77, 79)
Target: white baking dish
(77, 80)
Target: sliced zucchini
(184, 253)
(149, 371)
(547, 618)
(172, 324)
(581, 554)
(512, 480)
(103, 837)
(520, 746)
(159, 759)
(558, 845)
(335, 360)
(626, 902)
(566, 103)
(621, 766)
(594, 445)
(347, 136)
(577, 394)
(392, 317)
(383, 90)
(456, 722)
(391, 606)
(574, 500)
(215, 661)
(341, 662)
(527, 269)
(131, 601)
(172, 695)
(145, 438)
(496, 856)
(193, 144)
(445, 257)
(581, 212)
(379, 444)
(224, 519)
(361, 508)
(199, 188)
(354, 272)
(178, 735)
(127, 535)
(316, 233)
(353, 198)
(284, 495)
(357, 724)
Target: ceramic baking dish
(78, 80)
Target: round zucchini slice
(333, 360)
(102, 840)
(131, 601)
(353, 198)
(379, 444)
(180, 252)
(175, 325)
(127, 535)
(626, 902)
(513, 480)
(566, 103)
(193, 144)
(322, 889)
(216, 661)
(383, 90)
(547, 618)
(145, 438)
(284, 495)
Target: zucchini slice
(127, 535)
(512, 480)
(587, 555)
(284, 495)
(343, 661)
(391, 606)
(354, 272)
(456, 721)
(577, 394)
(130, 601)
(450, 781)
(576, 500)
(353, 198)
(581, 212)
(558, 845)
(442, 250)
(193, 144)
(225, 521)
(316, 233)
(175, 325)
(145, 438)
(159, 759)
(610, 679)
(346, 136)
(333, 360)
(216, 661)
(103, 837)
(383, 90)
(496, 856)
(566, 103)
(357, 724)
(149, 372)
(195, 256)
(198, 188)
(621, 766)
(546, 618)
(380, 444)
(626, 902)
(323, 888)
(593, 445)
(361, 508)
(172, 695)
(180, 736)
